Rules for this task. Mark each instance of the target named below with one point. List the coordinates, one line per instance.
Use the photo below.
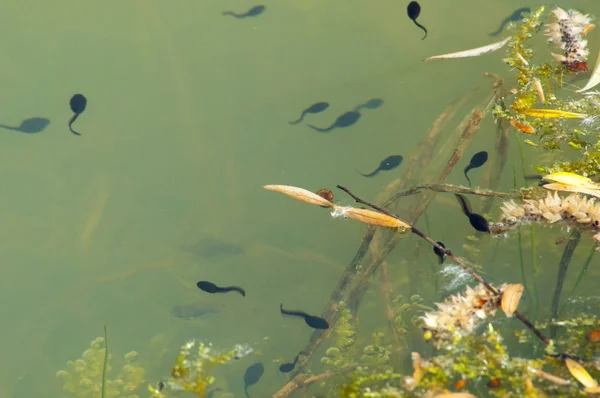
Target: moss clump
(83, 377)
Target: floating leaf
(475, 52)
(594, 78)
(568, 178)
(300, 194)
(580, 373)
(552, 114)
(524, 128)
(370, 217)
(510, 298)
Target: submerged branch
(304, 380)
(565, 260)
(450, 188)
(458, 260)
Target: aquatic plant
(85, 377)
(193, 368)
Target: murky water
(187, 118)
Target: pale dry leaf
(300, 194)
(510, 298)
(474, 52)
(594, 77)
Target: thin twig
(450, 188)
(304, 380)
(565, 260)
(449, 253)
(105, 366)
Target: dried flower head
(567, 32)
(459, 314)
(575, 211)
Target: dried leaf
(568, 178)
(370, 217)
(594, 78)
(510, 298)
(551, 378)
(538, 88)
(475, 52)
(569, 188)
(580, 373)
(592, 390)
(300, 194)
(524, 128)
(588, 29)
(552, 114)
(417, 367)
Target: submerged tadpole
(78, 103)
(313, 321)
(477, 160)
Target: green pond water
(187, 118)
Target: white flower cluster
(459, 314)
(575, 210)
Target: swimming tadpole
(440, 253)
(252, 375)
(78, 103)
(253, 12)
(210, 287)
(477, 220)
(516, 16)
(313, 321)
(288, 367)
(414, 10)
(477, 160)
(345, 120)
(314, 108)
(389, 163)
(373, 103)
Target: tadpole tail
(299, 119)
(422, 27)
(322, 130)
(464, 203)
(237, 289)
(293, 313)
(75, 116)
(233, 14)
(246, 391)
(466, 171)
(368, 175)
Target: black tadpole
(210, 287)
(477, 220)
(78, 103)
(414, 10)
(313, 321)
(440, 253)
(477, 160)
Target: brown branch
(304, 380)
(449, 253)
(450, 188)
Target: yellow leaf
(300, 194)
(552, 114)
(580, 374)
(370, 217)
(568, 178)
